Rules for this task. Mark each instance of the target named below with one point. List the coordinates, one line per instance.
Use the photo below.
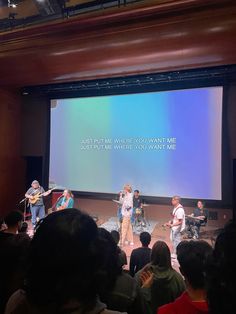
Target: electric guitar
(37, 196)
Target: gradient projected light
(162, 143)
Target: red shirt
(184, 305)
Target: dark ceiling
(22, 13)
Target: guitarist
(66, 201)
(177, 224)
(37, 209)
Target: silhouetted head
(116, 236)
(111, 263)
(65, 261)
(145, 238)
(14, 219)
(192, 257)
(221, 273)
(160, 255)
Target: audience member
(142, 255)
(221, 273)
(24, 227)
(13, 222)
(122, 255)
(160, 283)
(14, 250)
(192, 257)
(3, 226)
(65, 268)
(121, 291)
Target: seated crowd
(71, 266)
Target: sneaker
(131, 243)
(126, 242)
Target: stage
(105, 212)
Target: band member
(35, 195)
(138, 209)
(177, 224)
(200, 215)
(66, 201)
(126, 198)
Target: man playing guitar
(35, 196)
(177, 224)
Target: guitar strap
(35, 192)
(179, 206)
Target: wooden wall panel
(158, 38)
(12, 166)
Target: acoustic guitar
(62, 207)
(37, 196)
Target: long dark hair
(160, 255)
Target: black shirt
(138, 259)
(13, 264)
(201, 212)
(137, 202)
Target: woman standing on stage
(66, 201)
(126, 198)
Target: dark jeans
(37, 211)
(193, 229)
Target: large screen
(162, 143)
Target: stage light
(11, 4)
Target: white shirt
(127, 204)
(178, 214)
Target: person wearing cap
(37, 209)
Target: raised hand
(146, 278)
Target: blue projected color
(162, 143)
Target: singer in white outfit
(126, 198)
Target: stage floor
(158, 232)
(156, 214)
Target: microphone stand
(54, 205)
(24, 199)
